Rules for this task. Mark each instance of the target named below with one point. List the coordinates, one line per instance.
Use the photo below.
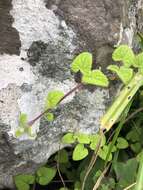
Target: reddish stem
(78, 86)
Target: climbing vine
(130, 72)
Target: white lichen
(35, 22)
(14, 71)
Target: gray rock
(48, 34)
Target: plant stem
(117, 131)
(58, 168)
(129, 187)
(93, 160)
(78, 86)
(98, 182)
(120, 103)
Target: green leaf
(133, 135)
(103, 153)
(139, 60)
(45, 175)
(23, 119)
(125, 54)
(126, 172)
(82, 63)
(19, 132)
(111, 182)
(95, 140)
(104, 187)
(24, 127)
(63, 188)
(23, 182)
(98, 174)
(140, 157)
(139, 179)
(53, 99)
(62, 156)
(20, 185)
(113, 68)
(68, 138)
(122, 143)
(29, 131)
(95, 77)
(136, 147)
(79, 152)
(141, 70)
(49, 116)
(77, 185)
(114, 149)
(112, 143)
(83, 138)
(124, 73)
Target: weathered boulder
(38, 40)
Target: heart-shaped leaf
(19, 132)
(53, 99)
(62, 156)
(95, 77)
(28, 130)
(125, 54)
(124, 73)
(83, 138)
(23, 182)
(122, 143)
(126, 172)
(134, 135)
(82, 63)
(95, 140)
(114, 149)
(137, 147)
(79, 152)
(103, 153)
(45, 175)
(68, 138)
(139, 60)
(23, 119)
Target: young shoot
(82, 63)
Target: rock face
(38, 42)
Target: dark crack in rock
(51, 60)
(9, 37)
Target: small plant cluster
(85, 142)
(25, 127)
(90, 174)
(83, 64)
(43, 176)
(130, 73)
(122, 172)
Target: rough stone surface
(45, 36)
(9, 36)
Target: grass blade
(139, 183)
(118, 129)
